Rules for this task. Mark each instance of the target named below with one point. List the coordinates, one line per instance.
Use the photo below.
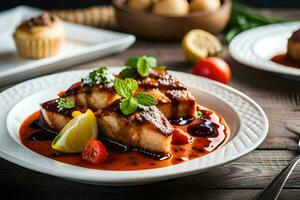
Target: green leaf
(151, 61)
(132, 61)
(128, 73)
(199, 114)
(65, 103)
(244, 18)
(143, 67)
(132, 84)
(122, 88)
(128, 106)
(142, 64)
(146, 99)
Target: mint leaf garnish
(132, 61)
(127, 88)
(145, 99)
(128, 73)
(65, 103)
(141, 64)
(99, 76)
(151, 61)
(199, 114)
(122, 88)
(143, 67)
(128, 106)
(132, 84)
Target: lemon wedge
(198, 44)
(72, 138)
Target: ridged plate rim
(252, 131)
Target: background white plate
(247, 121)
(83, 43)
(257, 46)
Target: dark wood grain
(226, 182)
(241, 179)
(234, 175)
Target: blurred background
(58, 4)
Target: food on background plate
(293, 47)
(292, 57)
(198, 44)
(172, 8)
(205, 5)
(128, 130)
(214, 68)
(39, 37)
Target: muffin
(293, 48)
(39, 37)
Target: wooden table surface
(241, 179)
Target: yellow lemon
(198, 44)
(72, 138)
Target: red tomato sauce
(284, 60)
(133, 160)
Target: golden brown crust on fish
(54, 117)
(160, 79)
(93, 96)
(147, 128)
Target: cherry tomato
(180, 137)
(213, 68)
(94, 152)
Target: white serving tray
(82, 44)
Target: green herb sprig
(199, 114)
(244, 18)
(140, 65)
(127, 88)
(65, 103)
(99, 76)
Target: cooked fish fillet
(55, 118)
(160, 79)
(147, 128)
(93, 96)
(175, 103)
(174, 100)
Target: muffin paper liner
(38, 48)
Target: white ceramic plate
(82, 44)
(247, 122)
(257, 46)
